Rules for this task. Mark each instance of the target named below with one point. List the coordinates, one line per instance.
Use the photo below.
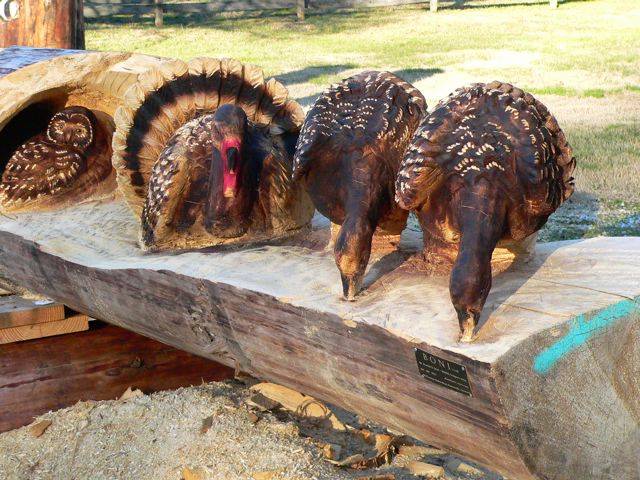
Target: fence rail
(105, 8)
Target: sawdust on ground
(212, 431)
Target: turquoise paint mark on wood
(582, 330)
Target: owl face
(72, 127)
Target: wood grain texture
(552, 371)
(51, 24)
(289, 345)
(276, 312)
(16, 311)
(99, 364)
(75, 323)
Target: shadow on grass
(309, 73)
(416, 74)
(466, 5)
(321, 20)
(408, 74)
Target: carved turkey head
(233, 175)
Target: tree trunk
(45, 23)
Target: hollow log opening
(58, 173)
(29, 122)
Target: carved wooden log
(550, 389)
(42, 82)
(38, 23)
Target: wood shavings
(130, 393)
(426, 469)
(37, 429)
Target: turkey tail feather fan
(170, 128)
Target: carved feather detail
(39, 168)
(370, 107)
(494, 131)
(168, 97)
(71, 156)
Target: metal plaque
(447, 374)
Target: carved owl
(71, 156)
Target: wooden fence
(106, 8)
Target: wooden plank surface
(16, 311)
(75, 323)
(98, 364)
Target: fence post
(158, 11)
(433, 5)
(301, 7)
(553, 3)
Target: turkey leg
(480, 213)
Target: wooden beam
(51, 24)
(75, 323)
(13, 58)
(547, 390)
(278, 316)
(16, 311)
(99, 364)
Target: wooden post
(433, 5)
(301, 9)
(158, 12)
(52, 24)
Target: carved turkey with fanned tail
(348, 156)
(67, 163)
(489, 164)
(204, 151)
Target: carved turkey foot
(468, 321)
(351, 285)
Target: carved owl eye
(55, 132)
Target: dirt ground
(216, 431)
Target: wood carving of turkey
(204, 151)
(490, 163)
(67, 162)
(348, 156)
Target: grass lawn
(582, 60)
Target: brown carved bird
(204, 155)
(489, 163)
(70, 159)
(348, 155)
